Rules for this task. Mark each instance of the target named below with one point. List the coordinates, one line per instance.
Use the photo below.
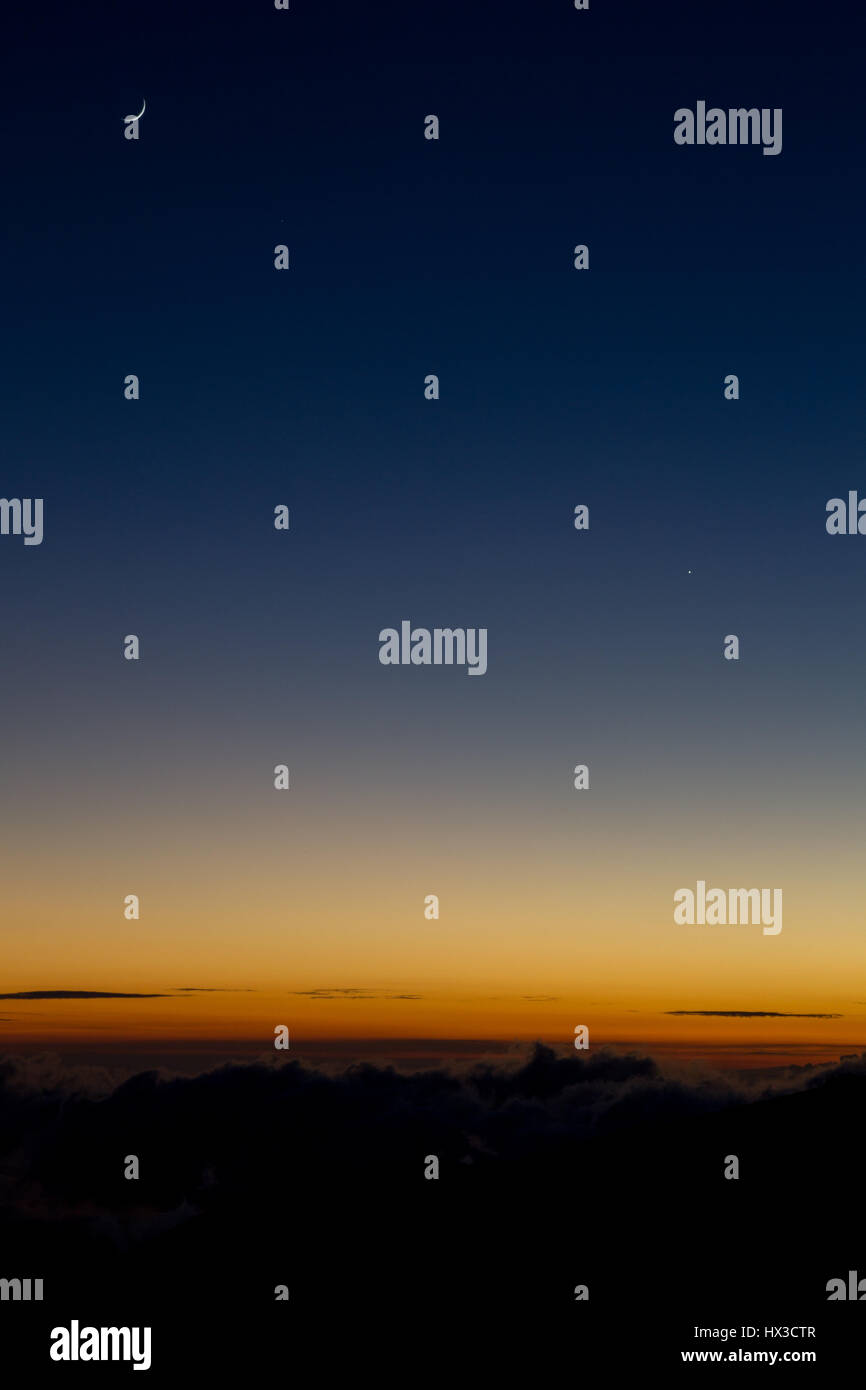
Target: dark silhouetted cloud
(78, 994)
(353, 994)
(745, 1013)
(540, 1111)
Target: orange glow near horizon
(286, 928)
(227, 1018)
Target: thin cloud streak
(79, 994)
(743, 1013)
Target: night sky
(306, 388)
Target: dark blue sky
(558, 387)
(410, 257)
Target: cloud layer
(219, 1137)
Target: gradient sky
(306, 388)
